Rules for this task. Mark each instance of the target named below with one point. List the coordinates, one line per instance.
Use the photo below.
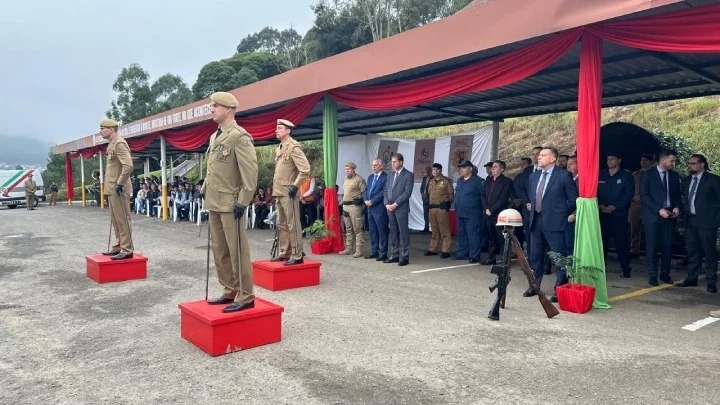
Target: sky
(59, 59)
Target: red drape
(69, 177)
(189, 138)
(589, 110)
(138, 144)
(690, 30)
(332, 219)
(262, 126)
(495, 72)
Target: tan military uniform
(441, 192)
(353, 188)
(232, 172)
(118, 168)
(30, 188)
(291, 169)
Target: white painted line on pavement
(699, 324)
(444, 268)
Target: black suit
(702, 218)
(498, 192)
(658, 231)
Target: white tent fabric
(362, 149)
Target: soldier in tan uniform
(291, 170)
(118, 168)
(352, 211)
(30, 188)
(232, 172)
(441, 195)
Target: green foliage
(134, 100)
(55, 170)
(576, 271)
(318, 230)
(287, 45)
(678, 144)
(168, 92)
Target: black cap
(647, 156)
(613, 153)
(437, 166)
(488, 164)
(466, 163)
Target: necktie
(693, 189)
(539, 193)
(394, 178)
(375, 179)
(665, 185)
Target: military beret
(30, 174)
(437, 166)
(488, 164)
(466, 163)
(108, 123)
(351, 165)
(224, 99)
(286, 123)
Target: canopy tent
(651, 51)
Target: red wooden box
(103, 270)
(577, 298)
(275, 276)
(217, 333)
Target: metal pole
(147, 168)
(495, 139)
(200, 165)
(102, 181)
(163, 175)
(82, 179)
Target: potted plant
(319, 237)
(575, 296)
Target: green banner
(589, 248)
(330, 141)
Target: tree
(168, 92)
(287, 45)
(215, 76)
(337, 28)
(135, 100)
(55, 170)
(19, 167)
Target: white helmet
(509, 217)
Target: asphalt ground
(370, 333)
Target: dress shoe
(111, 252)
(455, 257)
(381, 258)
(122, 255)
(430, 253)
(372, 256)
(474, 261)
(236, 306)
(653, 282)
(403, 262)
(293, 261)
(666, 279)
(529, 292)
(686, 283)
(279, 259)
(625, 274)
(392, 260)
(712, 288)
(489, 261)
(220, 300)
(553, 298)
(444, 255)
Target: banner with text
(385, 152)
(460, 150)
(424, 157)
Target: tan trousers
(289, 232)
(354, 228)
(231, 252)
(635, 227)
(120, 218)
(440, 225)
(29, 201)
(53, 198)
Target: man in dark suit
(521, 184)
(398, 189)
(377, 214)
(615, 192)
(701, 210)
(498, 193)
(660, 199)
(570, 230)
(468, 208)
(551, 195)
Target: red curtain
(189, 138)
(138, 144)
(69, 177)
(262, 126)
(332, 219)
(495, 72)
(690, 30)
(589, 110)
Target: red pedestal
(103, 270)
(452, 218)
(274, 276)
(217, 333)
(577, 298)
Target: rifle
(503, 277)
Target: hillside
(697, 120)
(19, 150)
